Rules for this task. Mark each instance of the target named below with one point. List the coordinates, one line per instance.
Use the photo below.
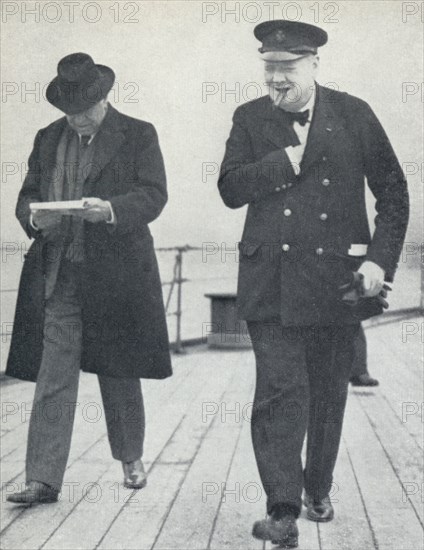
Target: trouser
(56, 392)
(301, 385)
(359, 366)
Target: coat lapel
(269, 127)
(108, 140)
(325, 125)
(48, 152)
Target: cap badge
(280, 36)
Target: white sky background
(170, 53)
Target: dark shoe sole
(135, 485)
(317, 518)
(364, 385)
(371, 384)
(29, 502)
(288, 543)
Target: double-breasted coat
(123, 318)
(294, 251)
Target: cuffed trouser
(360, 363)
(56, 392)
(302, 381)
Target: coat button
(323, 216)
(290, 184)
(319, 251)
(326, 182)
(284, 186)
(287, 212)
(324, 158)
(286, 247)
(278, 189)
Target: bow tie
(300, 117)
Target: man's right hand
(46, 222)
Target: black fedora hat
(79, 83)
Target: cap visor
(281, 56)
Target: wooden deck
(203, 490)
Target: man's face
(291, 82)
(88, 122)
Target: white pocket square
(358, 250)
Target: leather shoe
(134, 474)
(35, 492)
(363, 380)
(283, 531)
(319, 510)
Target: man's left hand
(96, 210)
(373, 278)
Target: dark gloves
(352, 294)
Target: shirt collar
(311, 104)
(90, 140)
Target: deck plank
(84, 447)
(181, 451)
(350, 528)
(380, 451)
(405, 457)
(33, 527)
(393, 521)
(198, 502)
(240, 510)
(88, 435)
(14, 446)
(399, 367)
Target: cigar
(279, 97)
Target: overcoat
(299, 229)
(123, 319)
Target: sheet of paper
(58, 206)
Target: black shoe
(283, 532)
(318, 510)
(35, 492)
(134, 475)
(363, 380)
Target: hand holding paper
(96, 210)
(46, 220)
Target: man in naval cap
(299, 159)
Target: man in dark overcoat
(299, 159)
(90, 294)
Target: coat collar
(108, 140)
